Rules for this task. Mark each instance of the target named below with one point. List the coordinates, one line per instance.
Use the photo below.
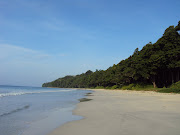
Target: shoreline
(157, 90)
(125, 112)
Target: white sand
(126, 113)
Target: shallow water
(36, 110)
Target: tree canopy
(157, 64)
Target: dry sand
(126, 113)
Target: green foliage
(136, 51)
(143, 87)
(168, 90)
(169, 30)
(174, 88)
(114, 87)
(177, 28)
(99, 87)
(139, 86)
(157, 64)
(128, 87)
(175, 85)
(108, 87)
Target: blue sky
(42, 40)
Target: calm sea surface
(36, 110)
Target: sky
(42, 40)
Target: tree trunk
(172, 77)
(154, 82)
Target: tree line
(157, 64)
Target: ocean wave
(32, 92)
(16, 110)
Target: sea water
(36, 110)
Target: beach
(123, 112)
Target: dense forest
(157, 64)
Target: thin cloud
(12, 52)
(24, 66)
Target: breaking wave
(32, 92)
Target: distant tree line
(157, 64)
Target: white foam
(32, 92)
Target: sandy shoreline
(125, 113)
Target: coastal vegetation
(155, 67)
